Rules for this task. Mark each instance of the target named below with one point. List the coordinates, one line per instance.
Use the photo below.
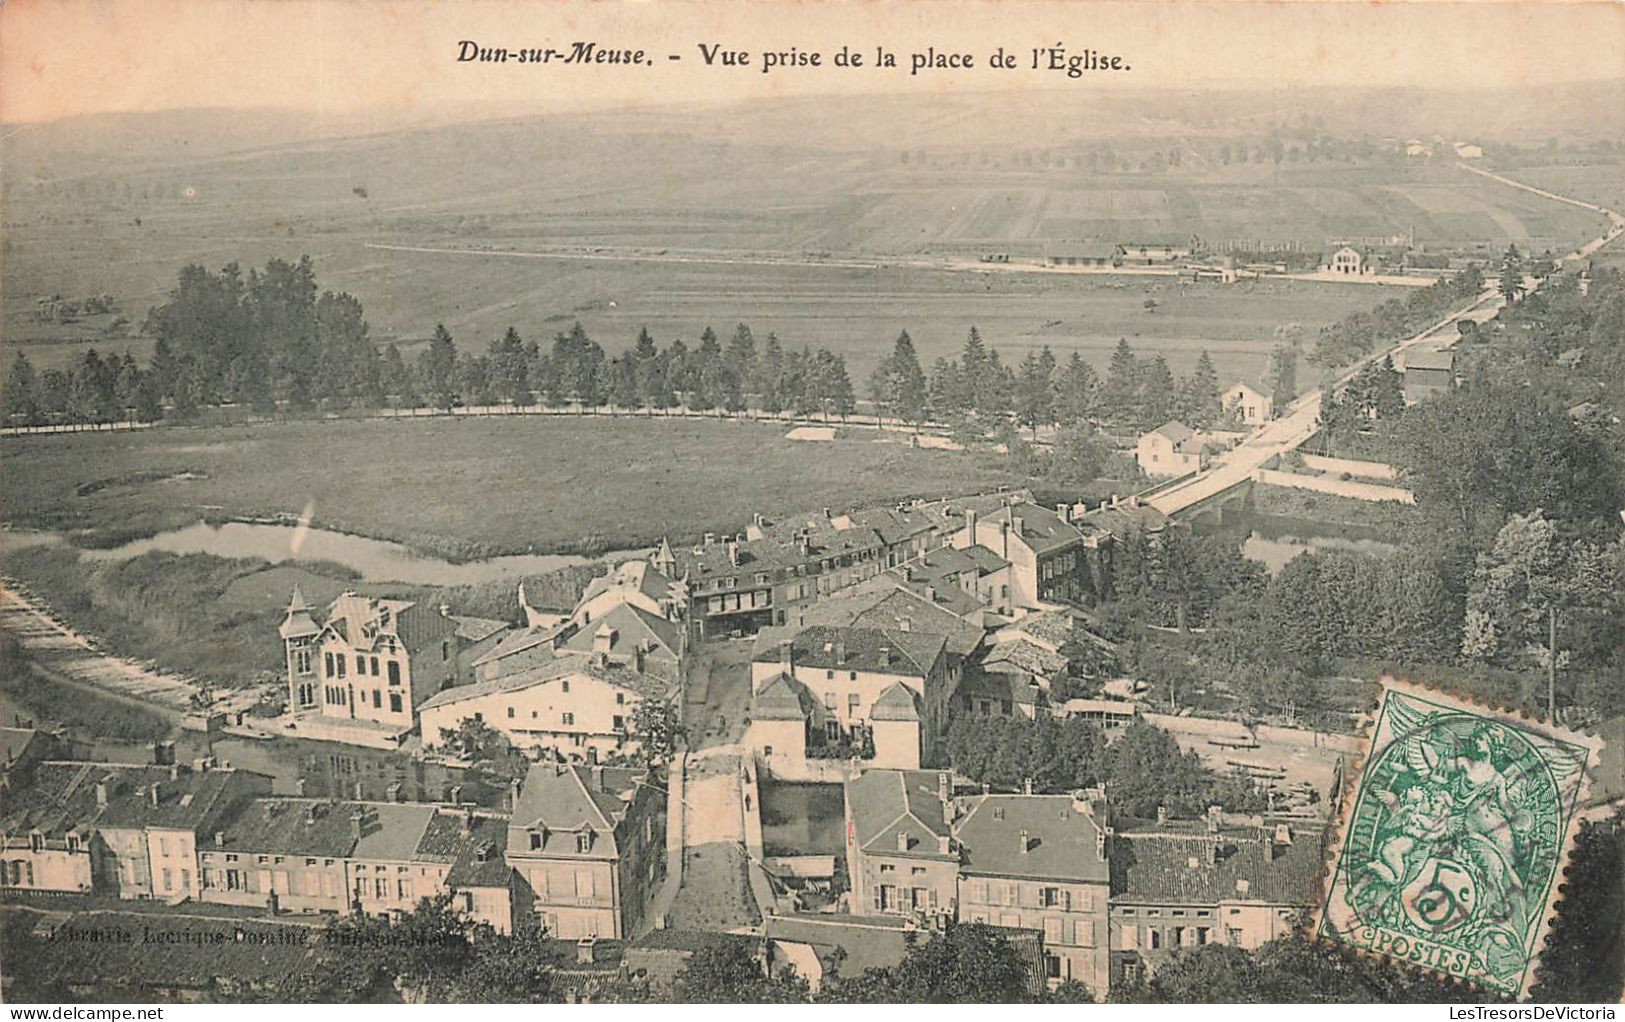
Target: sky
(62, 58)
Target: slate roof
(897, 702)
(635, 628)
(636, 575)
(62, 797)
(892, 525)
(394, 833)
(563, 800)
(521, 640)
(976, 684)
(1430, 358)
(1154, 865)
(477, 629)
(1061, 839)
(905, 605)
(1041, 528)
(859, 649)
(779, 548)
(1176, 433)
(289, 826)
(1023, 654)
(781, 699)
(868, 942)
(564, 666)
(882, 803)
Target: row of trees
(1142, 769)
(1360, 333)
(96, 389)
(1136, 393)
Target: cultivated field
(675, 229)
(522, 484)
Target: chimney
(1017, 525)
(456, 795)
(840, 651)
(885, 656)
(358, 824)
(1268, 836)
(174, 771)
(1162, 815)
(944, 845)
(513, 795)
(827, 515)
(360, 791)
(1025, 843)
(1213, 852)
(1213, 819)
(1026, 785)
(220, 839)
(1063, 512)
(299, 787)
(1004, 540)
(733, 551)
(584, 950)
(102, 792)
(970, 525)
(597, 777)
(786, 656)
(944, 787)
(154, 793)
(1115, 500)
(393, 792)
(902, 841)
(468, 820)
(710, 538)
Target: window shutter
(875, 900)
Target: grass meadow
(470, 488)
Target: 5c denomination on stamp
(1454, 840)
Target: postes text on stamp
(1455, 837)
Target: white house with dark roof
(570, 705)
(1172, 449)
(1247, 405)
(590, 844)
(889, 686)
(1043, 546)
(1179, 884)
(371, 661)
(1041, 863)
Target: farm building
(1348, 261)
(1247, 405)
(1099, 254)
(1427, 373)
(1171, 449)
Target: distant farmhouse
(1172, 449)
(1246, 405)
(1348, 261)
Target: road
(1301, 417)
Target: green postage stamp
(1455, 838)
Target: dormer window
(535, 840)
(584, 842)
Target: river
(375, 560)
(1273, 540)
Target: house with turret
(369, 660)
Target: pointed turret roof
(298, 624)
